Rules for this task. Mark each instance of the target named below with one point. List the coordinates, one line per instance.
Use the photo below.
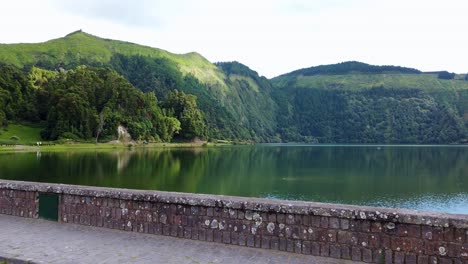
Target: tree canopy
(90, 103)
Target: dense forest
(349, 103)
(82, 87)
(90, 103)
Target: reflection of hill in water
(361, 175)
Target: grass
(79, 45)
(428, 82)
(250, 81)
(103, 146)
(26, 134)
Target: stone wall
(368, 234)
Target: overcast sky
(271, 36)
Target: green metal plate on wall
(48, 206)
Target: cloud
(140, 13)
(270, 36)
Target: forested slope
(82, 87)
(359, 103)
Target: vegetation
(90, 103)
(82, 87)
(372, 108)
(247, 102)
(353, 67)
(20, 134)
(445, 75)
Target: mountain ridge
(305, 105)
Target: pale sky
(270, 36)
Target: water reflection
(426, 178)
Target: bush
(445, 75)
(69, 135)
(16, 138)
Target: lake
(431, 178)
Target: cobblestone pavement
(41, 241)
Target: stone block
(345, 252)
(399, 258)
(210, 211)
(388, 256)
(364, 226)
(315, 221)
(226, 237)
(335, 251)
(290, 245)
(174, 231)
(306, 247)
(324, 222)
(324, 250)
(290, 219)
(366, 255)
(374, 241)
(274, 243)
(217, 236)
(187, 232)
(378, 256)
(437, 233)
(459, 235)
(363, 239)
(250, 240)
(242, 239)
(455, 250)
(315, 248)
(410, 259)
(344, 237)
(281, 218)
(209, 235)
(266, 242)
(356, 254)
(298, 246)
(344, 224)
(422, 259)
(258, 241)
(445, 261)
(334, 223)
(283, 244)
(417, 245)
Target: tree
(101, 121)
(445, 75)
(184, 107)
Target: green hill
(80, 48)
(227, 102)
(349, 102)
(358, 103)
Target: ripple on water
(455, 204)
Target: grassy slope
(426, 82)
(26, 134)
(357, 81)
(82, 46)
(445, 90)
(253, 85)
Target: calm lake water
(417, 177)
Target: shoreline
(106, 146)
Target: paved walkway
(40, 241)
